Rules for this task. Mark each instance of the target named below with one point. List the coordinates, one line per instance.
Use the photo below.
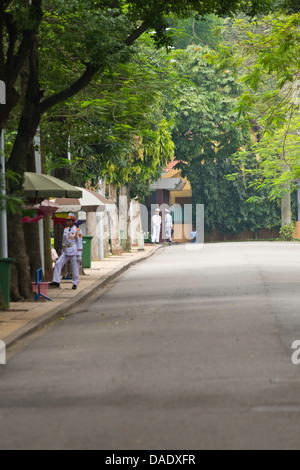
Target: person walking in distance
(168, 226)
(194, 235)
(156, 226)
(72, 251)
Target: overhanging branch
(136, 34)
(72, 90)
(86, 77)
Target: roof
(171, 165)
(172, 174)
(93, 202)
(90, 202)
(170, 184)
(67, 204)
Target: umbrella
(62, 221)
(67, 205)
(46, 207)
(38, 212)
(92, 201)
(41, 186)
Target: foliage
(10, 204)
(287, 233)
(270, 75)
(123, 133)
(63, 44)
(205, 107)
(52, 50)
(226, 200)
(270, 171)
(147, 238)
(202, 32)
(290, 6)
(206, 136)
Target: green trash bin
(87, 251)
(5, 270)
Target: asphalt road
(188, 350)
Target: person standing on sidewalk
(168, 226)
(156, 225)
(72, 251)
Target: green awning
(44, 186)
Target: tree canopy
(51, 51)
(269, 71)
(206, 136)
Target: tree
(204, 134)
(268, 58)
(87, 37)
(123, 131)
(203, 32)
(273, 175)
(206, 137)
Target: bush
(147, 238)
(287, 233)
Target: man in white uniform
(168, 226)
(156, 225)
(72, 251)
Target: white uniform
(72, 251)
(156, 225)
(168, 227)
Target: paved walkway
(24, 318)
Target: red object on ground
(43, 288)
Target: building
(174, 191)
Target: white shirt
(72, 241)
(169, 221)
(156, 219)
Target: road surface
(189, 350)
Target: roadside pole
(3, 216)
(38, 169)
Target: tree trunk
(58, 236)
(47, 248)
(19, 40)
(123, 215)
(129, 238)
(31, 231)
(91, 230)
(32, 244)
(114, 222)
(33, 109)
(286, 210)
(136, 222)
(106, 245)
(20, 276)
(28, 125)
(286, 218)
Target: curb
(58, 312)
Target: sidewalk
(24, 318)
